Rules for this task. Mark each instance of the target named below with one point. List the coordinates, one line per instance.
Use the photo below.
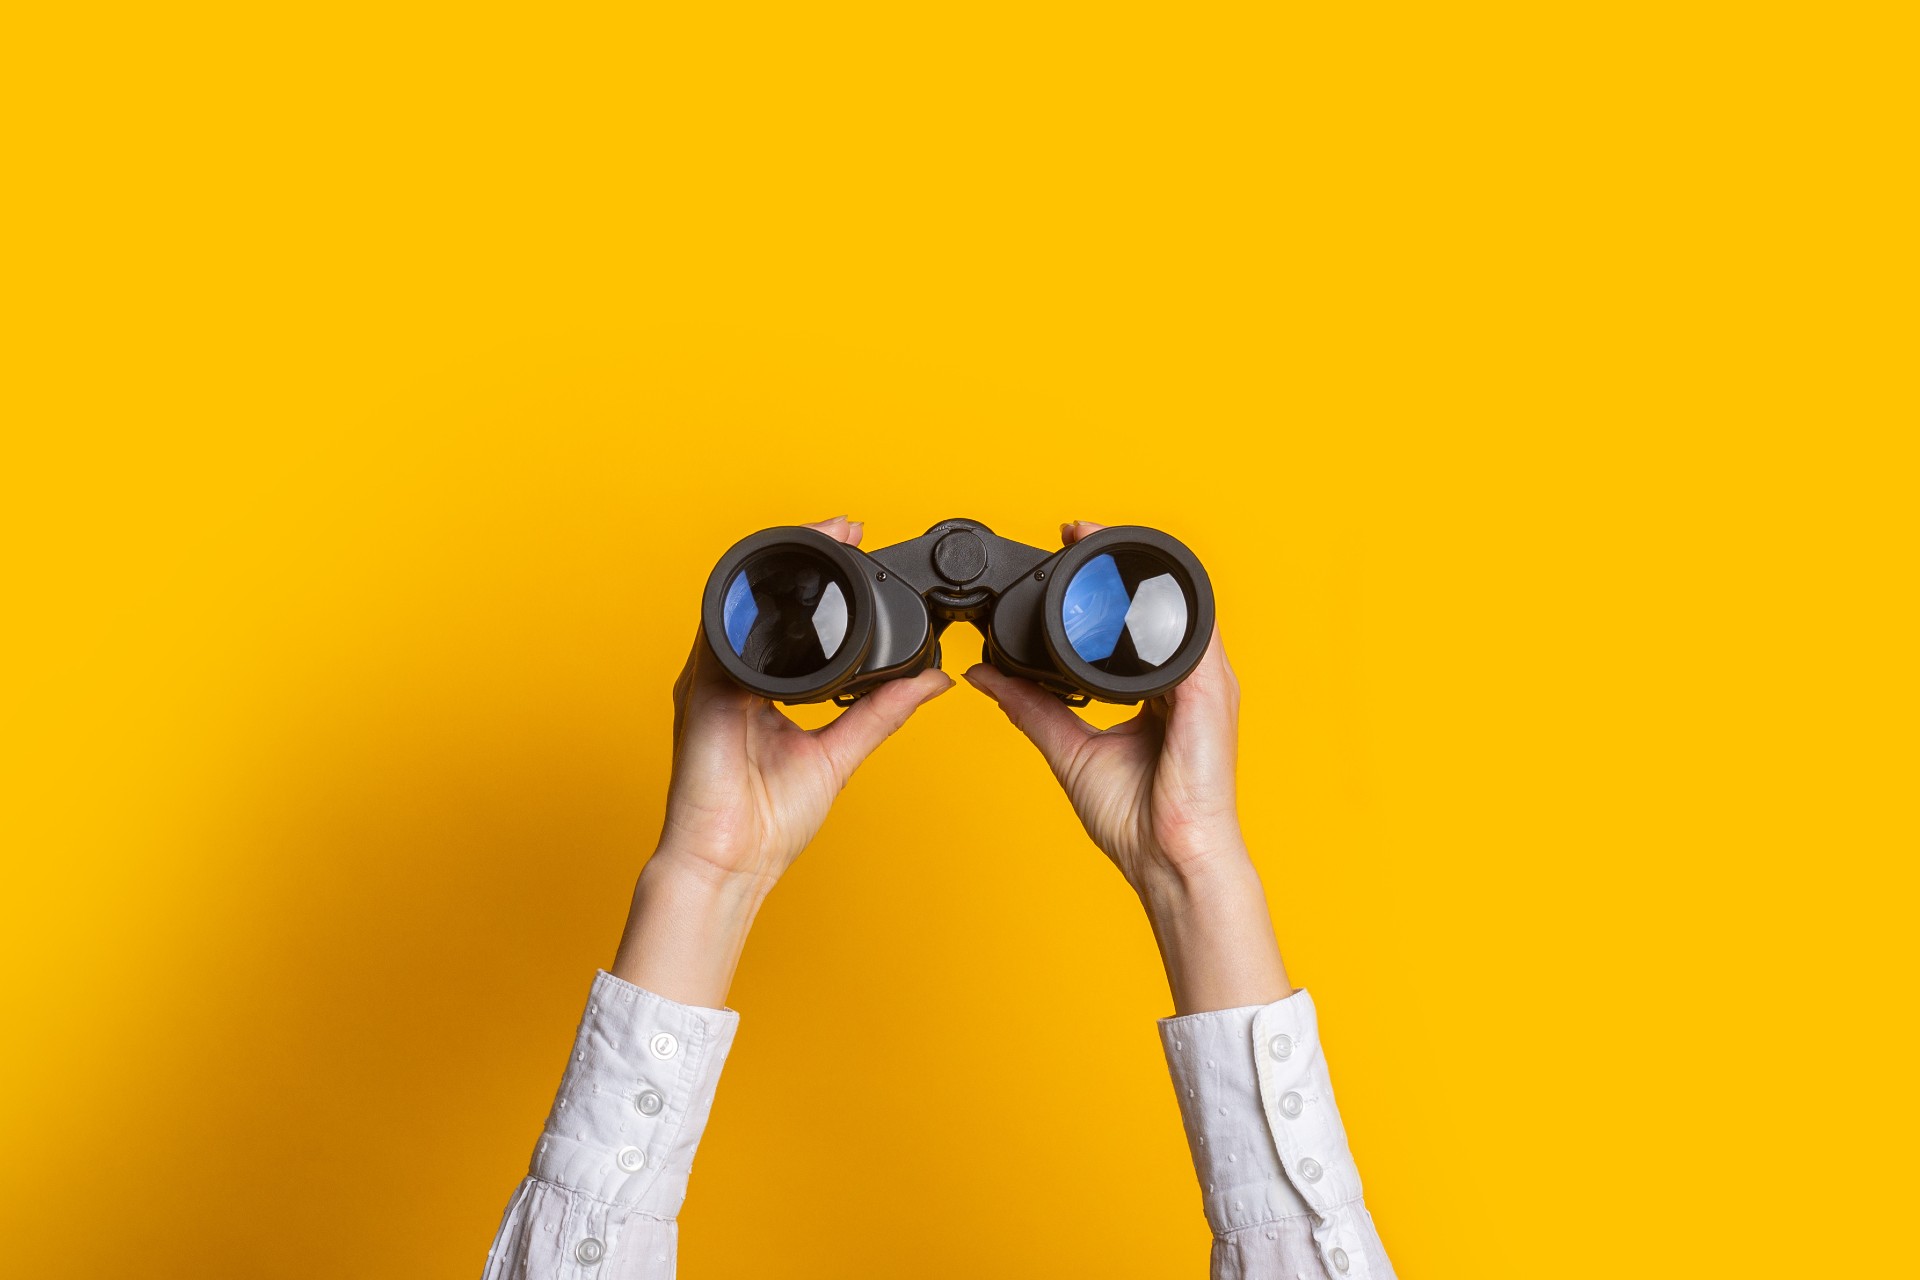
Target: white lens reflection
(1157, 619)
(830, 619)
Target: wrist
(1215, 934)
(1215, 865)
(687, 927)
(698, 874)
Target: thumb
(1042, 717)
(861, 728)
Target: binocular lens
(1126, 612)
(786, 612)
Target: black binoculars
(1122, 615)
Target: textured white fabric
(607, 1177)
(1278, 1184)
(610, 1171)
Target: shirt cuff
(635, 1099)
(1261, 1122)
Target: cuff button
(663, 1045)
(1281, 1047)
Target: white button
(1290, 1103)
(1310, 1169)
(663, 1045)
(632, 1159)
(648, 1103)
(589, 1251)
(1340, 1260)
(1281, 1047)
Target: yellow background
(382, 382)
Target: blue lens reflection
(786, 613)
(1126, 612)
(1095, 609)
(739, 612)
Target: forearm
(686, 929)
(611, 1167)
(1215, 934)
(1280, 1188)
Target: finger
(841, 529)
(1074, 530)
(1035, 712)
(1203, 714)
(684, 682)
(858, 730)
(704, 682)
(1212, 680)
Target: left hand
(749, 790)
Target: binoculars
(1122, 615)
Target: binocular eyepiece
(1122, 615)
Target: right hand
(1155, 792)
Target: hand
(1156, 793)
(749, 790)
(750, 787)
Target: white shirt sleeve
(1280, 1188)
(610, 1171)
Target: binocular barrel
(1122, 615)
